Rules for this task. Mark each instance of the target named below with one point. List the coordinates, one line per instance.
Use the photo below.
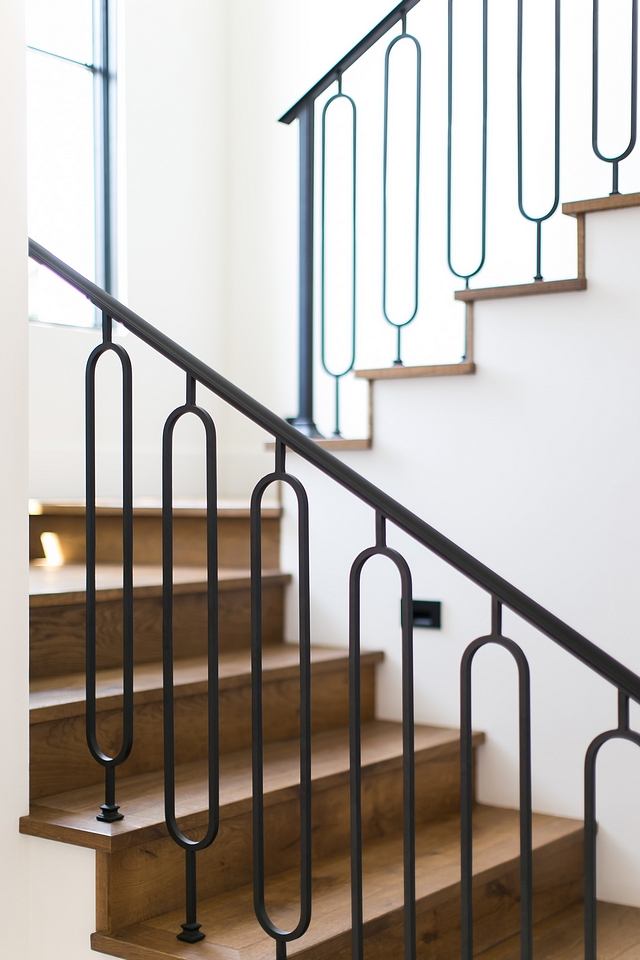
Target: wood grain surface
(58, 619)
(230, 922)
(148, 879)
(522, 290)
(402, 372)
(189, 533)
(612, 202)
(58, 749)
(141, 796)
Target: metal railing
(531, 65)
(386, 511)
(304, 112)
(633, 94)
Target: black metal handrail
(386, 509)
(572, 641)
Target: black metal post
(104, 17)
(466, 788)
(304, 421)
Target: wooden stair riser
(189, 540)
(57, 632)
(60, 759)
(558, 872)
(148, 879)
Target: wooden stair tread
(432, 370)
(147, 507)
(53, 698)
(614, 201)
(71, 816)
(59, 586)
(537, 288)
(233, 931)
(561, 937)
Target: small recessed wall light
(53, 555)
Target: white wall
(531, 465)
(14, 705)
(172, 152)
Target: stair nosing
(48, 821)
(228, 580)
(76, 704)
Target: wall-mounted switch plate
(426, 614)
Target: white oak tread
(615, 201)
(432, 370)
(147, 507)
(561, 937)
(233, 932)
(538, 288)
(54, 698)
(65, 585)
(70, 817)
(334, 443)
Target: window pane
(64, 27)
(61, 183)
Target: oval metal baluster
(191, 931)
(556, 162)
(323, 263)
(622, 732)
(385, 172)
(634, 91)
(110, 811)
(281, 937)
(466, 787)
(483, 227)
(408, 748)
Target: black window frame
(103, 68)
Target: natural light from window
(61, 168)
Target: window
(71, 167)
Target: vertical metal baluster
(408, 768)
(466, 787)
(556, 163)
(323, 266)
(483, 228)
(110, 811)
(385, 169)
(466, 807)
(281, 937)
(191, 932)
(614, 161)
(622, 732)
(355, 764)
(590, 830)
(304, 421)
(408, 747)
(526, 816)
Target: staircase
(140, 870)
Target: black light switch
(426, 614)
